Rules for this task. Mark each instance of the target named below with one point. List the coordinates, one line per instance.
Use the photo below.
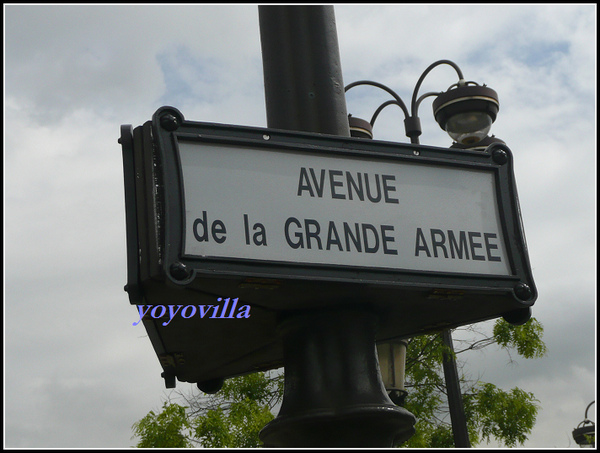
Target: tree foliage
(165, 429)
(526, 339)
(505, 416)
(491, 413)
(234, 416)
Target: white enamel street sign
(277, 205)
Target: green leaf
(505, 416)
(526, 339)
(163, 430)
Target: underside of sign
(230, 228)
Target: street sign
(429, 237)
(314, 208)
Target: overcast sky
(77, 373)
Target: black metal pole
(304, 90)
(333, 394)
(457, 410)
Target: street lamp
(585, 433)
(466, 111)
(392, 363)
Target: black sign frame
(158, 270)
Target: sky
(76, 372)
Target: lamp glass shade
(469, 127)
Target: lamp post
(455, 403)
(333, 394)
(321, 314)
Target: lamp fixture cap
(465, 98)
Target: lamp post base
(367, 427)
(333, 394)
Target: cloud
(79, 373)
(62, 58)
